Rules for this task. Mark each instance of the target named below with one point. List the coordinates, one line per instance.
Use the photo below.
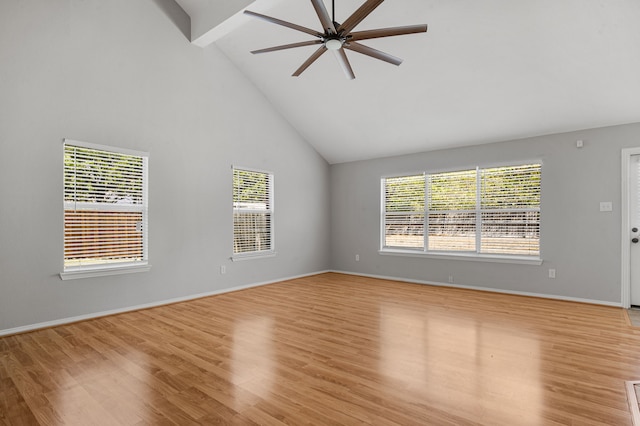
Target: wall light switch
(606, 206)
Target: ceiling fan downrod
(333, 11)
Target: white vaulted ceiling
(485, 71)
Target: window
(479, 212)
(252, 213)
(105, 210)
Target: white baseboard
(488, 289)
(69, 320)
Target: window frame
(259, 254)
(115, 268)
(475, 255)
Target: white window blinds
(404, 211)
(252, 212)
(105, 206)
(452, 211)
(483, 211)
(510, 210)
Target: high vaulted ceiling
(485, 71)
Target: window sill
(473, 257)
(101, 271)
(254, 255)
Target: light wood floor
(329, 349)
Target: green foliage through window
(96, 176)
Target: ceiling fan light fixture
(333, 44)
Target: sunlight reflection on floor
(499, 361)
(88, 393)
(252, 357)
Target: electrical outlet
(357, 258)
(223, 269)
(552, 273)
(606, 206)
(451, 279)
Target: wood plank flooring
(326, 350)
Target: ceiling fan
(338, 37)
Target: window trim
(476, 256)
(99, 270)
(102, 271)
(262, 254)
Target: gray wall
(580, 242)
(121, 73)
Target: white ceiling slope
(485, 71)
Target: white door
(634, 232)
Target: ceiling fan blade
(325, 19)
(309, 61)
(357, 16)
(374, 53)
(287, 46)
(284, 23)
(387, 32)
(344, 63)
